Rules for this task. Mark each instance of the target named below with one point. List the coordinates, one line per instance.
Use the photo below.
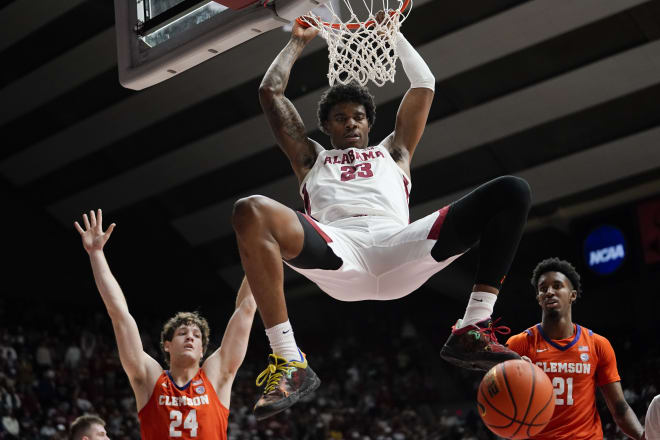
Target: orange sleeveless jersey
(190, 412)
(576, 366)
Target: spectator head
(179, 322)
(88, 427)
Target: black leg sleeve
(494, 214)
(315, 254)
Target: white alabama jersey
(355, 182)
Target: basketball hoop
(362, 47)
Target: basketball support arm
(417, 71)
(141, 67)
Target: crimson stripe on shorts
(405, 186)
(434, 233)
(325, 236)
(308, 208)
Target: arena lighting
(605, 249)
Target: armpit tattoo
(396, 154)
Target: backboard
(158, 39)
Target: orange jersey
(189, 412)
(576, 366)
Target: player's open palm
(93, 237)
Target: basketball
(515, 399)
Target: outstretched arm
(222, 365)
(284, 120)
(415, 106)
(621, 412)
(141, 369)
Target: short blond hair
(80, 426)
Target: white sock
(282, 341)
(479, 308)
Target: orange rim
(353, 26)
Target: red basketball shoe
(475, 346)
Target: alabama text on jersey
(354, 182)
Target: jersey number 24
(189, 423)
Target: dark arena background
(564, 94)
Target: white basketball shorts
(382, 259)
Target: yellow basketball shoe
(286, 382)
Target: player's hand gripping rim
(305, 28)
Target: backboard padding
(141, 66)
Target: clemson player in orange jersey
(185, 402)
(576, 359)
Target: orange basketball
(515, 399)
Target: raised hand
(305, 33)
(386, 22)
(93, 237)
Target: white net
(362, 47)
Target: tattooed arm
(284, 120)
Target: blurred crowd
(381, 380)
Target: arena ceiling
(563, 93)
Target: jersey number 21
(562, 385)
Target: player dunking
(185, 401)
(576, 359)
(355, 240)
